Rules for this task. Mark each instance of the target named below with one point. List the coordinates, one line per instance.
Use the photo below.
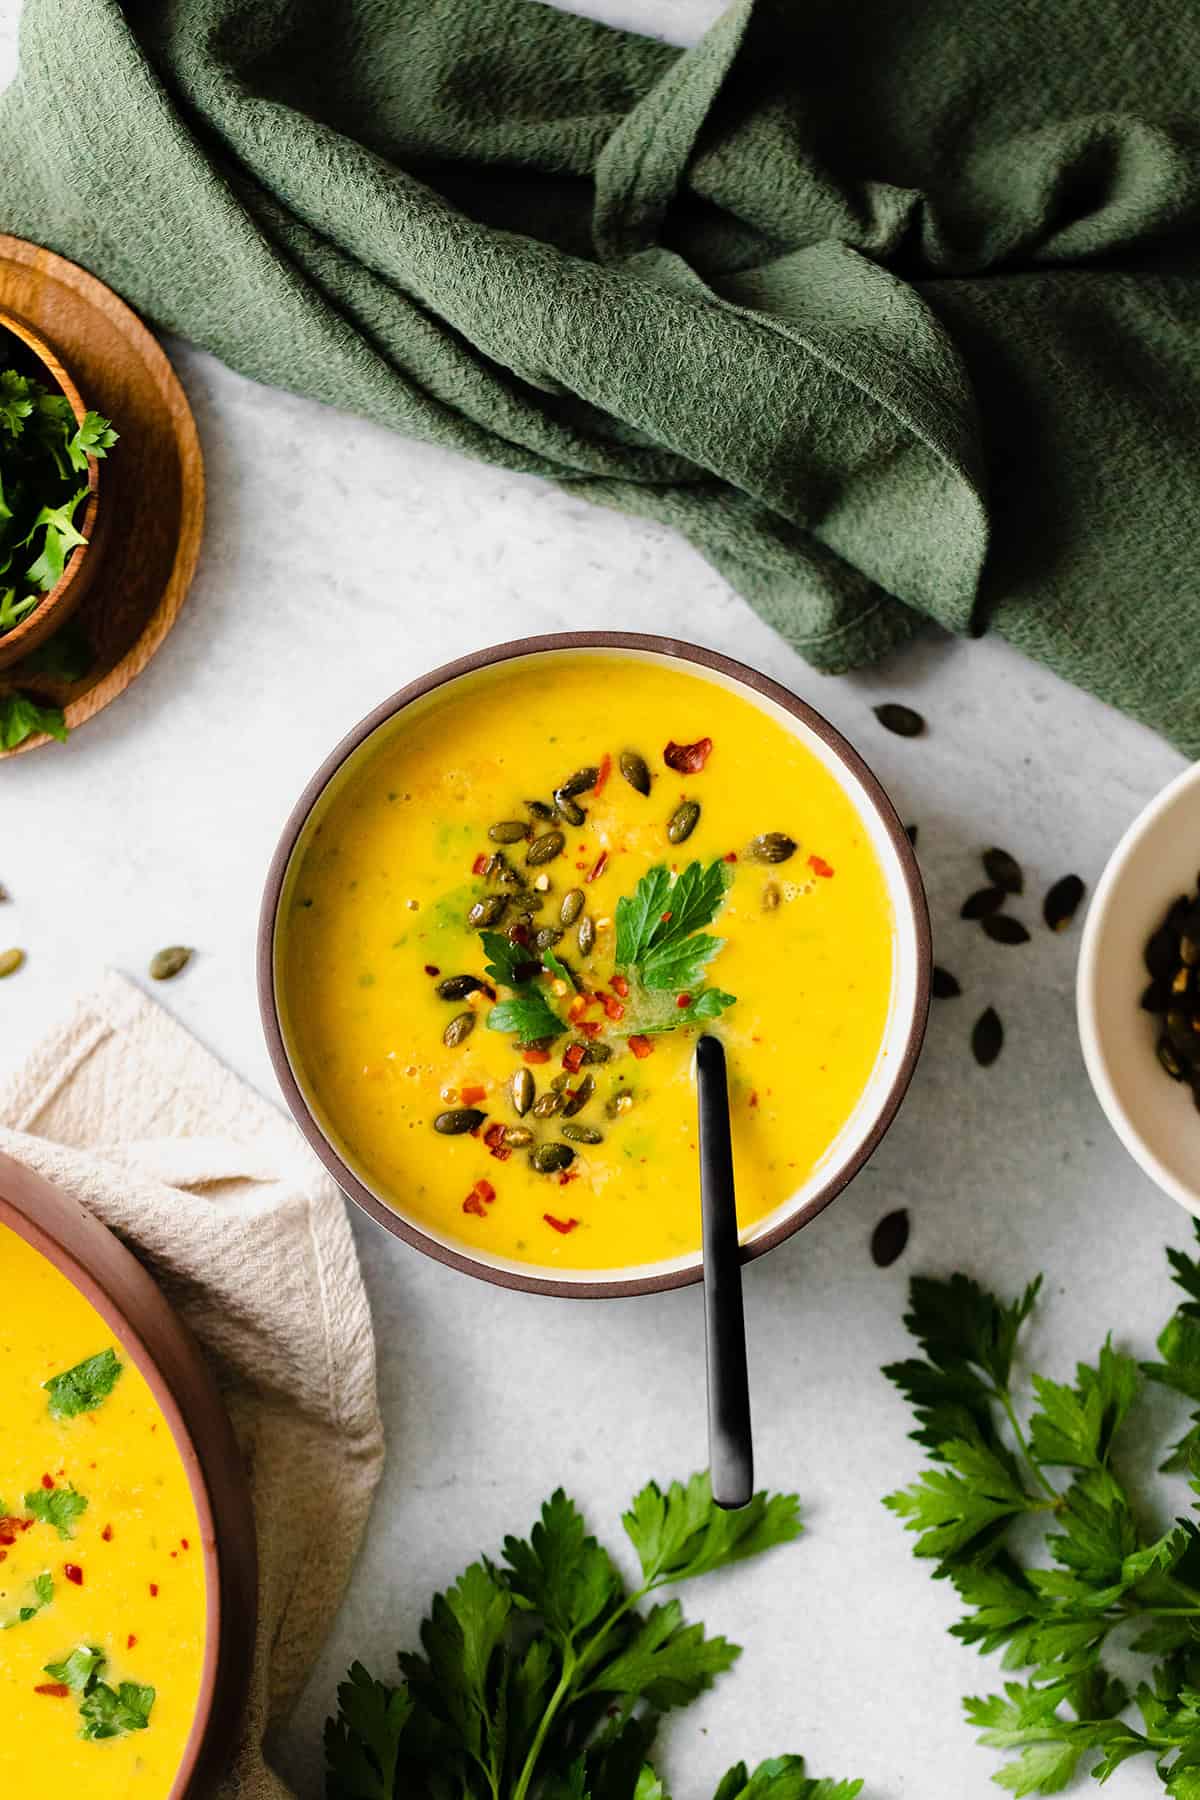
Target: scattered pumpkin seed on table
(910, 832)
(1002, 928)
(1062, 902)
(166, 964)
(889, 1238)
(987, 1039)
(10, 962)
(943, 985)
(903, 720)
(982, 902)
(1003, 871)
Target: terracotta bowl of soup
(507, 904)
(128, 1570)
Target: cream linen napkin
(246, 1234)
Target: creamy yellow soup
(102, 1586)
(374, 923)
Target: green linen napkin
(892, 310)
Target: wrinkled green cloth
(891, 309)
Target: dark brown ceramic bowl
(910, 985)
(115, 1283)
(82, 564)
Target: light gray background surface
(155, 825)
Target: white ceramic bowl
(1154, 1117)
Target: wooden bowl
(124, 1295)
(83, 564)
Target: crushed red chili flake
(613, 1008)
(599, 866)
(619, 985)
(494, 1134)
(567, 1177)
(501, 1152)
(754, 1098)
(106, 1534)
(154, 1590)
(535, 1056)
(479, 865)
(641, 1046)
(518, 934)
(485, 1190)
(731, 856)
(819, 866)
(56, 1690)
(432, 969)
(562, 1225)
(9, 1528)
(73, 1573)
(573, 1058)
(591, 1028)
(471, 1093)
(688, 759)
(684, 1000)
(665, 917)
(131, 1640)
(473, 1204)
(47, 1481)
(605, 772)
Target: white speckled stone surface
(155, 825)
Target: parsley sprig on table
(542, 1679)
(663, 951)
(1109, 1582)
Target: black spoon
(730, 1449)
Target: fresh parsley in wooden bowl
(50, 451)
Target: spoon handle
(730, 1449)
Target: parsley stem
(535, 1749)
(1047, 1487)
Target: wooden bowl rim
(679, 650)
(48, 357)
(54, 1225)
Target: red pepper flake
(473, 1204)
(183, 1544)
(641, 1047)
(665, 917)
(613, 1008)
(130, 1641)
(535, 1056)
(573, 1058)
(494, 1134)
(820, 867)
(731, 856)
(619, 985)
(106, 1534)
(684, 1000)
(73, 1573)
(688, 759)
(470, 1094)
(432, 969)
(3, 1555)
(567, 1176)
(599, 866)
(605, 772)
(56, 1690)
(154, 1590)
(591, 1028)
(479, 865)
(47, 1481)
(486, 1191)
(518, 934)
(754, 1098)
(561, 1225)
(9, 1528)
(501, 1152)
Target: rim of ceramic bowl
(1089, 976)
(61, 378)
(230, 1568)
(620, 1284)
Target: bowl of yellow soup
(508, 903)
(127, 1559)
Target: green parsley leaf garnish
(540, 1677)
(43, 1594)
(529, 1015)
(82, 1388)
(1005, 1463)
(58, 1506)
(509, 964)
(662, 951)
(77, 1669)
(104, 1711)
(22, 717)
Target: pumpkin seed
(943, 985)
(547, 937)
(497, 868)
(982, 903)
(586, 935)
(900, 719)
(457, 987)
(910, 832)
(620, 1103)
(579, 782)
(771, 847)
(580, 1097)
(458, 1030)
(771, 896)
(168, 963)
(1160, 954)
(508, 831)
(487, 910)
(458, 1120)
(635, 770)
(568, 809)
(521, 1091)
(1003, 871)
(597, 1052)
(889, 1238)
(550, 1159)
(572, 906)
(517, 1137)
(10, 962)
(1002, 928)
(1062, 902)
(683, 821)
(1155, 997)
(582, 1134)
(987, 1039)
(547, 1105)
(1183, 1038)
(1168, 1058)
(545, 848)
(1189, 951)
(540, 810)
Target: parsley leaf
(662, 951)
(82, 1388)
(21, 717)
(541, 1678)
(107, 1712)
(77, 1670)
(509, 964)
(43, 1594)
(529, 1015)
(59, 1506)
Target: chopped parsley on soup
(102, 1582)
(508, 921)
